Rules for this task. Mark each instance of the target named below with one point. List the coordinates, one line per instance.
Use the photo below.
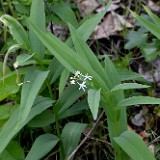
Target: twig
(86, 137)
(154, 141)
(99, 140)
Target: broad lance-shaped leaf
(62, 82)
(32, 84)
(93, 101)
(16, 30)
(37, 15)
(126, 86)
(47, 117)
(155, 18)
(42, 145)
(67, 57)
(86, 53)
(70, 137)
(87, 28)
(64, 11)
(89, 25)
(133, 145)
(73, 93)
(154, 29)
(11, 128)
(137, 100)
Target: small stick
(86, 137)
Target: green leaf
(11, 128)
(16, 30)
(150, 51)
(133, 145)
(37, 16)
(126, 74)
(12, 48)
(126, 86)
(47, 117)
(93, 101)
(63, 80)
(112, 72)
(89, 25)
(154, 29)
(64, 11)
(61, 51)
(42, 120)
(71, 134)
(42, 145)
(8, 86)
(155, 19)
(30, 90)
(12, 152)
(77, 108)
(55, 69)
(138, 100)
(135, 39)
(6, 111)
(72, 93)
(23, 58)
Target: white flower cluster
(80, 79)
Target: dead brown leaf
(111, 25)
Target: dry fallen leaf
(138, 119)
(154, 6)
(112, 23)
(87, 6)
(151, 148)
(151, 72)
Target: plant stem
(11, 8)
(56, 119)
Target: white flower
(77, 73)
(72, 82)
(23, 83)
(82, 85)
(72, 78)
(87, 77)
